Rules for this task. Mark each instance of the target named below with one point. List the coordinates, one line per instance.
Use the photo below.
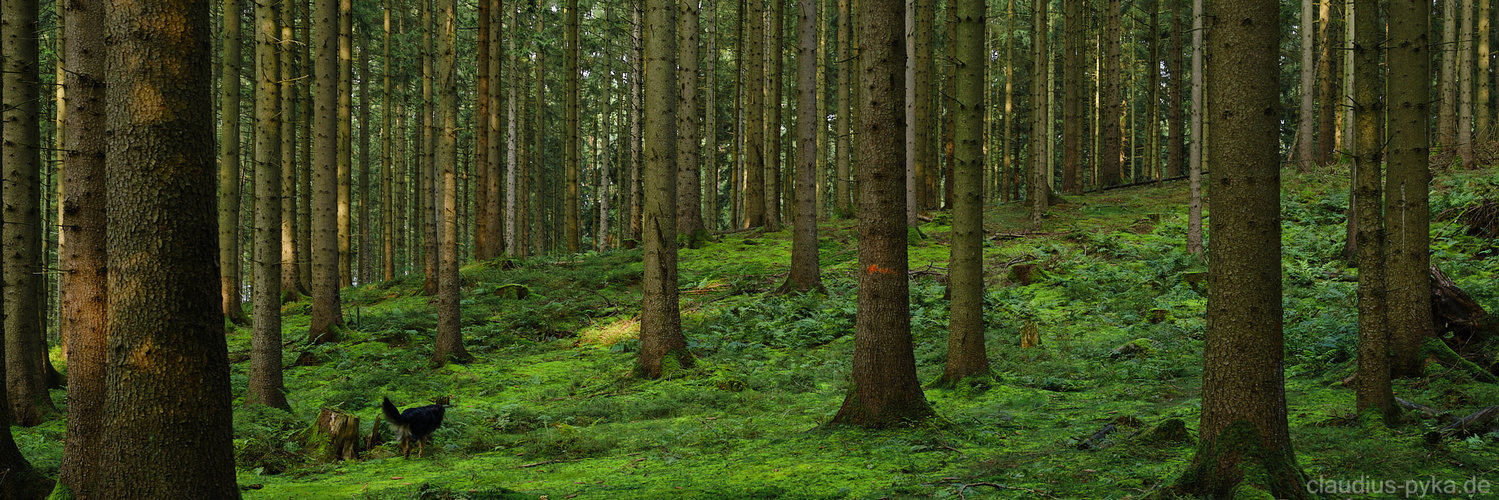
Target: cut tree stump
(334, 436)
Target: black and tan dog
(414, 424)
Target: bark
(449, 329)
(366, 254)
(805, 276)
(1306, 126)
(571, 154)
(427, 209)
(1010, 167)
(772, 52)
(265, 384)
(884, 392)
(167, 403)
(1175, 135)
(663, 349)
(23, 304)
(1329, 73)
(482, 104)
(843, 149)
(304, 186)
(1483, 126)
(1447, 103)
(1465, 65)
(709, 214)
(1374, 389)
(512, 142)
(925, 123)
(1407, 211)
(345, 141)
(606, 172)
(327, 317)
(1245, 440)
(636, 187)
(1199, 108)
(689, 201)
(1111, 157)
(754, 119)
(291, 286)
(966, 354)
(1072, 85)
(84, 257)
(1037, 189)
(387, 169)
(229, 168)
(494, 179)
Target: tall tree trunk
(364, 234)
(1175, 135)
(1244, 423)
(804, 274)
(229, 168)
(449, 328)
(1373, 389)
(1465, 85)
(167, 397)
(327, 315)
(571, 154)
(534, 190)
(427, 211)
(23, 305)
(844, 185)
(772, 122)
(1407, 209)
(1447, 103)
(84, 255)
(753, 54)
(1151, 126)
(1329, 73)
(482, 104)
(1483, 126)
(512, 141)
(1306, 126)
(495, 169)
(1072, 85)
(1037, 188)
(606, 171)
(884, 392)
(636, 187)
(1011, 167)
(265, 383)
(345, 141)
(709, 214)
(304, 187)
(291, 285)
(387, 169)
(689, 201)
(924, 123)
(1111, 168)
(662, 346)
(966, 355)
(1199, 108)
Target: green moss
(1224, 467)
(61, 492)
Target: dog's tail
(392, 414)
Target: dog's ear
(442, 401)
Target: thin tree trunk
(844, 184)
(966, 355)
(1175, 135)
(1329, 62)
(771, 49)
(265, 384)
(229, 167)
(482, 104)
(291, 287)
(1407, 209)
(1447, 104)
(1307, 125)
(571, 155)
(1037, 189)
(449, 335)
(387, 169)
(495, 169)
(327, 316)
(1465, 85)
(804, 274)
(754, 118)
(689, 201)
(304, 188)
(1072, 84)
(709, 213)
(1199, 108)
(1111, 166)
(366, 253)
(512, 141)
(1373, 389)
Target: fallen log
(1471, 424)
(1096, 441)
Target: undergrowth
(549, 409)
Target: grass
(549, 409)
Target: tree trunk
(1329, 72)
(1407, 211)
(689, 211)
(1175, 136)
(345, 141)
(449, 329)
(327, 316)
(754, 118)
(1111, 168)
(844, 185)
(884, 392)
(1368, 105)
(709, 214)
(1011, 168)
(805, 272)
(663, 349)
(925, 123)
(1447, 103)
(1037, 189)
(291, 287)
(606, 172)
(1072, 85)
(364, 233)
(512, 141)
(265, 384)
(966, 355)
(304, 187)
(495, 169)
(636, 70)
(1306, 127)
(229, 168)
(1199, 108)
(482, 104)
(771, 50)
(84, 256)
(387, 169)
(1483, 126)
(167, 397)
(1465, 85)
(1244, 423)
(570, 149)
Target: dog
(414, 424)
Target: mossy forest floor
(549, 410)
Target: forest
(757, 249)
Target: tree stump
(334, 436)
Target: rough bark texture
(884, 392)
(663, 349)
(167, 397)
(1447, 102)
(1176, 149)
(327, 316)
(925, 123)
(265, 342)
(1194, 152)
(387, 169)
(512, 143)
(844, 184)
(754, 120)
(1038, 189)
(345, 141)
(689, 199)
(1111, 162)
(84, 256)
(805, 276)
(1329, 72)
(1072, 85)
(966, 355)
(229, 168)
(449, 329)
(363, 234)
(1245, 440)
(22, 234)
(1306, 125)
(1407, 211)
(482, 104)
(571, 154)
(494, 195)
(772, 48)
(1465, 65)
(1369, 113)
(292, 286)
